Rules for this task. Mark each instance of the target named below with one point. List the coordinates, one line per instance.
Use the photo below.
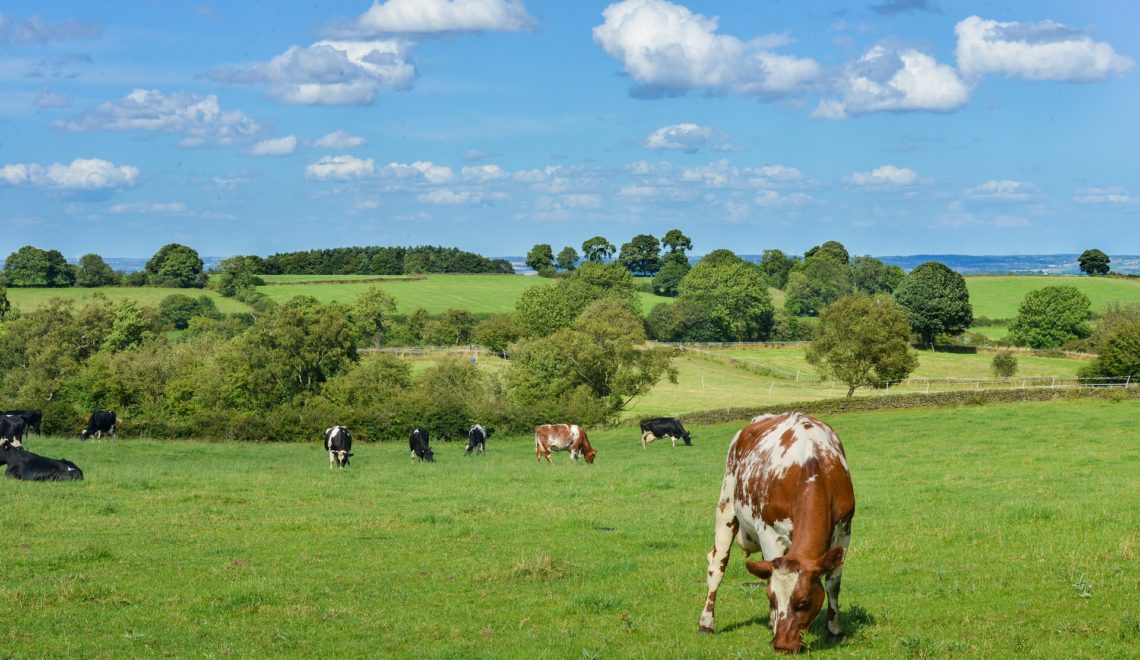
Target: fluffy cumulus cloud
(668, 49)
(884, 80)
(82, 174)
(1003, 191)
(329, 72)
(436, 16)
(199, 120)
(340, 168)
(689, 138)
(483, 173)
(418, 171)
(35, 30)
(340, 140)
(1108, 195)
(282, 146)
(884, 177)
(1034, 51)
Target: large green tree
(31, 266)
(775, 266)
(668, 279)
(862, 340)
(1051, 316)
(567, 259)
(641, 255)
(935, 300)
(872, 276)
(1118, 354)
(176, 265)
(734, 293)
(93, 272)
(1094, 262)
(833, 248)
(5, 305)
(238, 275)
(597, 249)
(541, 258)
(815, 283)
(543, 309)
(372, 313)
(675, 242)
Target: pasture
(993, 531)
(28, 299)
(997, 297)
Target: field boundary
(391, 278)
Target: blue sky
(894, 126)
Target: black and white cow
(33, 418)
(476, 439)
(418, 442)
(662, 427)
(32, 467)
(12, 429)
(101, 421)
(338, 443)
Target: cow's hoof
(832, 638)
(705, 629)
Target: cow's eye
(803, 604)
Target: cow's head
(342, 457)
(687, 438)
(795, 594)
(427, 455)
(590, 453)
(83, 434)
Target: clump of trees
(380, 260)
(1051, 316)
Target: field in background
(28, 299)
(997, 297)
(963, 544)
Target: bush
(1004, 364)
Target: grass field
(999, 297)
(29, 299)
(998, 531)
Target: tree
(176, 266)
(541, 258)
(1093, 262)
(176, 310)
(5, 306)
(1004, 364)
(935, 300)
(1119, 354)
(872, 276)
(641, 255)
(666, 281)
(681, 321)
(31, 266)
(1051, 316)
(238, 274)
(567, 259)
(542, 310)
(130, 329)
(862, 340)
(93, 271)
(815, 283)
(833, 248)
(676, 242)
(597, 249)
(496, 333)
(775, 266)
(734, 293)
(371, 312)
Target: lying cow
(34, 419)
(418, 442)
(12, 429)
(338, 443)
(476, 439)
(560, 437)
(663, 427)
(101, 422)
(32, 467)
(786, 493)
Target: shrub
(1004, 364)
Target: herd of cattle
(786, 493)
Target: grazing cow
(476, 439)
(338, 443)
(101, 422)
(663, 427)
(12, 429)
(418, 442)
(559, 437)
(33, 418)
(32, 467)
(786, 493)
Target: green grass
(26, 299)
(998, 297)
(997, 531)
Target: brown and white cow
(560, 437)
(786, 493)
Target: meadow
(28, 299)
(997, 297)
(989, 531)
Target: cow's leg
(332, 459)
(674, 441)
(645, 439)
(726, 528)
(841, 537)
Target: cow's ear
(761, 569)
(832, 559)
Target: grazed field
(29, 299)
(1003, 531)
(998, 297)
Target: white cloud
(1003, 191)
(687, 137)
(1034, 51)
(340, 140)
(1107, 195)
(434, 16)
(582, 201)
(339, 168)
(669, 50)
(883, 177)
(158, 208)
(329, 72)
(48, 99)
(483, 173)
(199, 120)
(82, 174)
(883, 80)
(282, 146)
(35, 30)
(426, 170)
(772, 198)
(445, 197)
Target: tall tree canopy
(641, 255)
(1051, 316)
(1094, 262)
(541, 258)
(177, 266)
(567, 259)
(775, 266)
(815, 283)
(31, 266)
(935, 300)
(597, 249)
(862, 340)
(872, 276)
(733, 292)
(544, 309)
(93, 272)
(833, 248)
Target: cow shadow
(855, 619)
